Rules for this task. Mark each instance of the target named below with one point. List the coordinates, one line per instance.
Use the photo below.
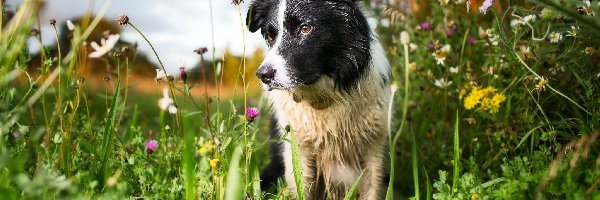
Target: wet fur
(336, 100)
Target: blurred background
(175, 29)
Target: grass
(527, 107)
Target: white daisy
(574, 32)
(107, 45)
(442, 83)
(454, 70)
(555, 37)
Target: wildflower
(453, 70)
(107, 45)
(214, 163)
(430, 46)
(70, 25)
(166, 101)
(449, 33)
(495, 102)
(252, 113)
(123, 20)
(529, 18)
(442, 83)
(526, 51)
(404, 38)
(412, 66)
(475, 196)
(451, 25)
(53, 22)
(487, 98)
(425, 26)
(429, 75)
(161, 75)
(412, 47)
(446, 48)
(555, 37)
(586, 8)
(589, 50)
(482, 33)
(484, 7)
(516, 23)
(183, 74)
(541, 85)
(574, 32)
(151, 146)
(554, 70)
(443, 2)
(172, 109)
(472, 40)
(440, 57)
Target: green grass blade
(297, 164)
(233, 187)
(354, 189)
(415, 164)
(109, 127)
(189, 162)
(456, 155)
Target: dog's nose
(266, 73)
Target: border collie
(326, 76)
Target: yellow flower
(487, 99)
(207, 147)
(214, 163)
(541, 84)
(412, 66)
(475, 196)
(202, 150)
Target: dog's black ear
(257, 14)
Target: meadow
(494, 99)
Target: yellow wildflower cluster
(487, 98)
(214, 163)
(207, 147)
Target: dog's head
(309, 40)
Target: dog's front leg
(370, 188)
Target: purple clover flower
(449, 33)
(430, 47)
(183, 74)
(151, 145)
(425, 26)
(484, 7)
(472, 40)
(252, 113)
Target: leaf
(352, 192)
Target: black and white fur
(327, 77)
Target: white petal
(96, 54)
(70, 25)
(172, 109)
(95, 46)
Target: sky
(175, 27)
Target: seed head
(237, 2)
(53, 22)
(201, 50)
(123, 20)
(106, 77)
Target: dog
(327, 77)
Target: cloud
(175, 28)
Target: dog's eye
(305, 29)
(269, 38)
